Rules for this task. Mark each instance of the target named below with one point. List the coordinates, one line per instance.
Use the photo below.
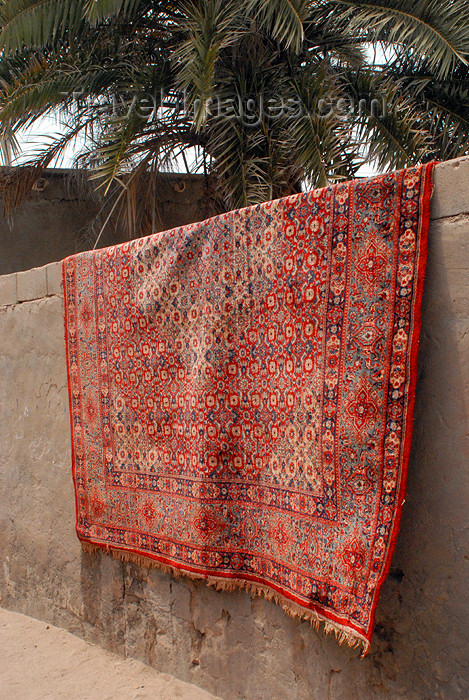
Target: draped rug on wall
(242, 390)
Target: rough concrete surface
(31, 284)
(42, 661)
(8, 289)
(231, 644)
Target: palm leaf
(283, 19)
(445, 104)
(321, 138)
(40, 22)
(9, 146)
(37, 22)
(438, 30)
(96, 10)
(209, 27)
(389, 124)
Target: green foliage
(436, 29)
(97, 63)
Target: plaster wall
(54, 221)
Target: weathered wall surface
(54, 221)
(234, 645)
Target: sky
(38, 136)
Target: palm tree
(266, 96)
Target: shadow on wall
(55, 220)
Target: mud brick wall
(55, 220)
(232, 644)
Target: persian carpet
(242, 390)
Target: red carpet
(242, 390)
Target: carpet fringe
(342, 635)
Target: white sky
(38, 136)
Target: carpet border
(413, 371)
(72, 432)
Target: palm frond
(445, 104)
(9, 146)
(389, 125)
(37, 22)
(282, 19)
(438, 30)
(321, 136)
(30, 94)
(40, 22)
(208, 28)
(328, 34)
(114, 152)
(97, 10)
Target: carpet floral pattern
(241, 394)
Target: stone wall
(54, 221)
(234, 645)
